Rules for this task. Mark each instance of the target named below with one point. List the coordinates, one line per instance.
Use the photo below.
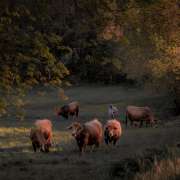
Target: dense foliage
(43, 41)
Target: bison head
(61, 112)
(109, 133)
(75, 128)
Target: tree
(28, 56)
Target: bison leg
(73, 116)
(114, 142)
(46, 149)
(106, 141)
(42, 150)
(112, 115)
(131, 123)
(80, 149)
(92, 148)
(34, 147)
(77, 113)
(106, 136)
(97, 144)
(141, 123)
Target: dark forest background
(54, 42)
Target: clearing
(17, 161)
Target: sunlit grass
(16, 137)
(13, 131)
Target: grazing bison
(41, 135)
(139, 114)
(69, 109)
(37, 139)
(90, 133)
(112, 131)
(112, 111)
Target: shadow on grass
(16, 149)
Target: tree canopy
(44, 41)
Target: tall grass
(154, 164)
(168, 169)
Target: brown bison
(112, 131)
(139, 114)
(41, 135)
(90, 133)
(71, 109)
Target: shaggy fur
(90, 133)
(112, 131)
(71, 109)
(139, 114)
(41, 135)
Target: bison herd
(92, 132)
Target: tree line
(45, 42)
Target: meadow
(124, 161)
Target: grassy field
(63, 162)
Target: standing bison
(90, 133)
(41, 135)
(112, 131)
(139, 114)
(71, 109)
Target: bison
(89, 133)
(112, 111)
(71, 109)
(112, 131)
(139, 114)
(41, 135)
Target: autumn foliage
(42, 42)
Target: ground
(17, 160)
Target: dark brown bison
(41, 135)
(139, 114)
(112, 131)
(71, 109)
(90, 133)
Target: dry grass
(164, 170)
(154, 164)
(64, 162)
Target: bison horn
(69, 127)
